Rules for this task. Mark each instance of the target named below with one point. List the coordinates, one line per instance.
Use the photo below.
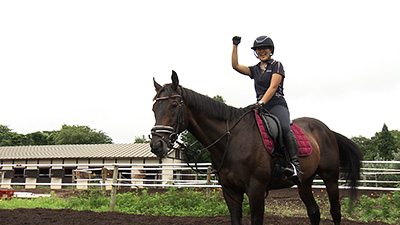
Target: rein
(227, 133)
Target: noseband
(158, 130)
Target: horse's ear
(175, 80)
(156, 85)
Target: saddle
(273, 129)
(272, 137)
(271, 133)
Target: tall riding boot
(293, 171)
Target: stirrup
(290, 170)
(292, 174)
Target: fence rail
(170, 175)
(374, 175)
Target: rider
(268, 77)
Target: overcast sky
(92, 62)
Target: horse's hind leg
(307, 197)
(331, 183)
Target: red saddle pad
(302, 140)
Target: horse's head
(169, 113)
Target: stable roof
(134, 150)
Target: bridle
(158, 130)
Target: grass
(208, 202)
(50, 203)
(191, 202)
(385, 208)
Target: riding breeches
(283, 115)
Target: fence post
(365, 178)
(114, 188)
(208, 175)
(90, 178)
(103, 178)
(73, 179)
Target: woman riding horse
(268, 77)
(240, 160)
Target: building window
(152, 175)
(44, 172)
(68, 175)
(126, 174)
(44, 175)
(69, 172)
(19, 172)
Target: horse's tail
(350, 156)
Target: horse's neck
(205, 129)
(209, 121)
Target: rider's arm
(235, 63)
(275, 81)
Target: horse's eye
(175, 104)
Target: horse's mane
(207, 105)
(212, 107)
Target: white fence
(381, 175)
(133, 175)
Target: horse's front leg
(256, 195)
(234, 201)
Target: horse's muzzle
(160, 143)
(159, 147)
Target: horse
(244, 166)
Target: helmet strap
(255, 54)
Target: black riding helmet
(263, 41)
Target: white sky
(92, 62)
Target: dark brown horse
(238, 153)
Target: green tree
(194, 154)
(41, 138)
(385, 143)
(80, 135)
(9, 138)
(142, 139)
(4, 130)
(219, 98)
(367, 146)
(396, 136)
(4, 135)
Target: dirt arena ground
(67, 216)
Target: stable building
(56, 165)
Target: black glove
(236, 40)
(256, 106)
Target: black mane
(212, 107)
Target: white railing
(164, 175)
(371, 174)
(170, 175)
